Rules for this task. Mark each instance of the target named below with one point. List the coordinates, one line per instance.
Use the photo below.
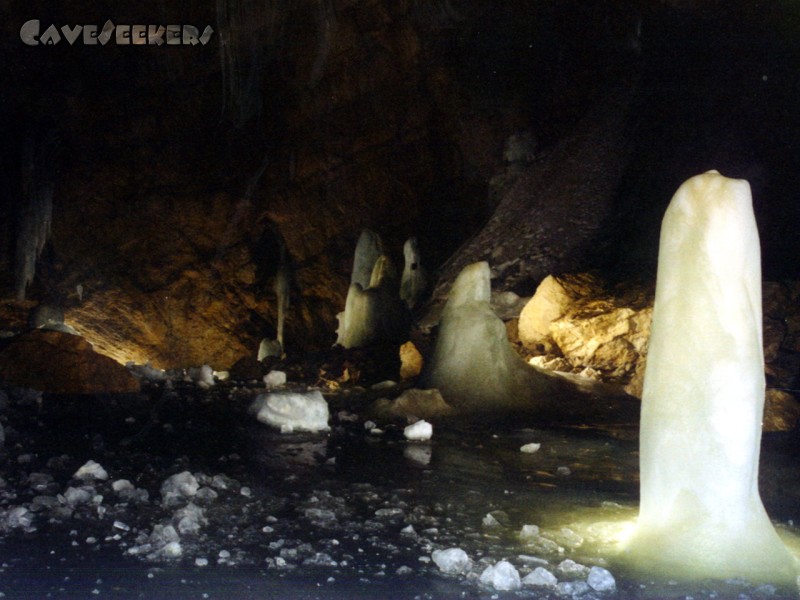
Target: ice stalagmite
(473, 364)
(701, 515)
(415, 279)
(368, 250)
(374, 314)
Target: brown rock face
(60, 363)
(553, 298)
(181, 182)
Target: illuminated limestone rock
(411, 361)
(597, 334)
(701, 514)
(552, 299)
(420, 404)
(473, 364)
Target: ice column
(701, 514)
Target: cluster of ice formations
(85, 493)
(291, 411)
(187, 495)
(193, 514)
(374, 310)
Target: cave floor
(348, 513)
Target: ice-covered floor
(343, 514)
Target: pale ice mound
(418, 432)
(502, 576)
(290, 411)
(452, 560)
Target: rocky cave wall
(182, 171)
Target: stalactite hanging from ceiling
(248, 29)
(35, 215)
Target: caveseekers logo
(123, 35)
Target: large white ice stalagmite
(473, 364)
(701, 514)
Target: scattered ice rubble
(504, 576)
(177, 523)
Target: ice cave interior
(400, 299)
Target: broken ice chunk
(91, 470)
(190, 518)
(74, 496)
(540, 577)
(502, 576)
(275, 379)
(177, 487)
(418, 432)
(601, 580)
(452, 560)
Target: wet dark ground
(344, 514)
